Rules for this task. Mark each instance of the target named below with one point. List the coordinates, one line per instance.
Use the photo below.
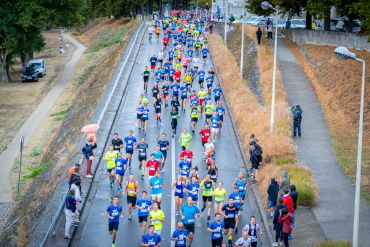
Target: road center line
(173, 206)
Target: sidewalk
(335, 208)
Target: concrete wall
(304, 36)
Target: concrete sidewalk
(335, 208)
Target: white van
(39, 64)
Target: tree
(362, 9)
(254, 6)
(321, 9)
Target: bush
(337, 243)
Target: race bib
(156, 222)
(152, 168)
(220, 198)
(173, 116)
(191, 220)
(119, 168)
(208, 192)
(158, 106)
(213, 176)
(184, 139)
(143, 211)
(158, 159)
(207, 134)
(142, 153)
(114, 213)
(231, 215)
(178, 191)
(129, 146)
(217, 235)
(131, 191)
(156, 186)
(241, 187)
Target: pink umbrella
(90, 128)
(175, 12)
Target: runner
(185, 166)
(196, 63)
(238, 201)
(242, 184)
(151, 239)
(189, 213)
(192, 73)
(113, 212)
(151, 30)
(152, 165)
(194, 99)
(252, 229)
(129, 143)
(157, 218)
(244, 240)
(165, 42)
(217, 229)
(207, 185)
(194, 110)
(144, 101)
(185, 138)
(215, 120)
(175, 87)
(209, 81)
(153, 61)
(195, 175)
(174, 118)
(209, 111)
(146, 74)
(155, 184)
(110, 157)
(204, 53)
(178, 187)
(185, 61)
(158, 78)
(231, 214)
(117, 143)
(165, 89)
(158, 102)
(180, 235)
(160, 58)
(190, 53)
(120, 170)
(201, 74)
(142, 147)
(144, 205)
(158, 31)
(145, 118)
(201, 94)
(213, 171)
(156, 89)
(164, 145)
(217, 92)
(192, 188)
(170, 55)
(131, 188)
(184, 96)
(205, 132)
(188, 78)
(219, 194)
(221, 112)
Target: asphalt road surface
(93, 229)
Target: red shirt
(165, 40)
(153, 166)
(190, 155)
(288, 202)
(205, 134)
(177, 75)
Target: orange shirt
(71, 170)
(158, 29)
(91, 135)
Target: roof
(36, 61)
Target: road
(93, 229)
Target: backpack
(250, 230)
(84, 151)
(298, 115)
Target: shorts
(158, 232)
(201, 81)
(189, 227)
(122, 173)
(185, 66)
(110, 170)
(138, 116)
(184, 97)
(207, 198)
(183, 148)
(195, 67)
(194, 119)
(165, 96)
(218, 202)
(152, 67)
(208, 116)
(164, 154)
(195, 200)
(217, 99)
(143, 119)
(171, 78)
(221, 118)
(209, 86)
(164, 44)
(155, 196)
(201, 102)
(146, 78)
(215, 130)
(254, 166)
(203, 143)
(272, 203)
(179, 196)
(131, 200)
(170, 59)
(143, 218)
(142, 159)
(174, 125)
(113, 226)
(229, 224)
(217, 242)
(157, 110)
(160, 60)
(129, 151)
(254, 244)
(205, 56)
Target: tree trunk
(151, 6)
(147, 7)
(327, 23)
(350, 23)
(308, 21)
(4, 68)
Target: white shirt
(208, 147)
(254, 231)
(242, 242)
(196, 62)
(160, 55)
(151, 30)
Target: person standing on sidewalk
(70, 212)
(284, 183)
(286, 218)
(288, 201)
(259, 35)
(89, 155)
(297, 119)
(278, 226)
(273, 192)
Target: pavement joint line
(172, 194)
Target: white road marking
(172, 194)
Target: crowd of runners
(172, 79)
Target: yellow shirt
(131, 189)
(188, 77)
(209, 109)
(202, 94)
(157, 223)
(219, 194)
(111, 157)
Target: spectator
(278, 226)
(294, 196)
(259, 35)
(256, 161)
(297, 119)
(287, 23)
(70, 212)
(288, 201)
(270, 29)
(89, 155)
(284, 182)
(273, 192)
(75, 174)
(72, 170)
(286, 218)
(77, 187)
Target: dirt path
(9, 155)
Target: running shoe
(144, 132)
(177, 212)
(111, 185)
(160, 120)
(193, 132)
(236, 229)
(173, 136)
(275, 244)
(208, 218)
(120, 186)
(74, 223)
(241, 207)
(139, 168)
(117, 190)
(219, 131)
(142, 174)
(113, 182)
(113, 245)
(130, 218)
(129, 166)
(202, 210)
(157, 122)
(68, 237)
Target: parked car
(333, 24)
(249, 21)
(30, 74)
(342, 26)
(313, 23)
(281, 23)
(297, 23)
(39, 65)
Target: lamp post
(242, 46)
(341, 54)
(265, 5)
(225, 18)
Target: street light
(265, 5)
(226, 20)
(341, 54)
(242, 46)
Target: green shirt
(174, 116)
(209, 109)
(185, 138)
(194, 112)
(208, 187)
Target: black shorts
(229, 224)
(129, 151)
(113, 226)
(171, 78)
(184, 97)
(180, 196)
(203, 143)
(221, 118)
(164, 154)
(185, 66)
(144, 119)
(138, 116)
(170, 59)
(217, 242)
(157, 110)
(109, 170)
(195, 67)
(201, 81)
(217, 99)
(183, 148)
(142, 158)
(143, 218)
(146, 78)
(164, 45)
(205, 56)
(255, 166)
(174, 125)
(160, 60)
(194, 119)
(131, 200)
(254, 244)
(209, 86)
(208, 116)
(207, 198)
(189, 227)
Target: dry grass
(338, 86)
(336, 243)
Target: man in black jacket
(272, 191)
(256, 160)
(294, 196)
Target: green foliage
(285, 160)
(36, 171)
(86, 75)
(254, 6)
(362, 9)
(336, 243)
(62, 114)
(107, 39)
(36, 151)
